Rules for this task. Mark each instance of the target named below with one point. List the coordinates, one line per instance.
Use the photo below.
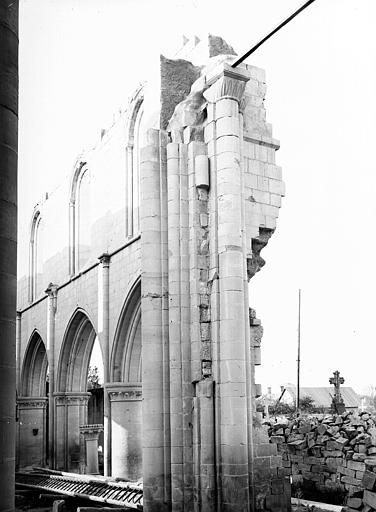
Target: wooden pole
(298, 360)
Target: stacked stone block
(332, 456)
(271, 482)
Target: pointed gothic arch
(71, 396)
(34, 368)
(79, 215)
(126, 355)
(75, 354)
(35, 254)
(33, 405)
(133, 146)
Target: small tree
(306, 403)
(93, 378)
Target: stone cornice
(262, 140)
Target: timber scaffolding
(89, 487)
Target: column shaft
(51, 311)
(103, 323)
(8, 242)
(155, 371)
(18, 352)
(230, 340)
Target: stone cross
(336, 381)
(338, 404)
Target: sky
(80, 60)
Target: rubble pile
(332, 456)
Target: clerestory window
(135, 142)
(36, 256)
(80, 219)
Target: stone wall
(330, 459)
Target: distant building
(323, 396)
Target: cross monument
(337, 401)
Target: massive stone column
(8, 242)
(51, 311)
(155, 362)
(232, 356)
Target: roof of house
(323, 396)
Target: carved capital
(125, 395)
(105, 260)
(226, 82)
(51, 290)
(52, 296)
(32, 402)
(72, 399)
(91, 432)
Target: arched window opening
(83, 211)
(36, 257)
(80, 219)
(136, 175)
(135, 143)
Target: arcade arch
(72, 396)
(126, 360)
(125, 391)
(35, 368)
(33, 405)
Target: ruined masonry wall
(334, 457)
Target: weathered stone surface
(369, 498)
(355, 465)
(177, 77)
(369, 480)
(218, 46)
(351, 481)
(354, 503)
